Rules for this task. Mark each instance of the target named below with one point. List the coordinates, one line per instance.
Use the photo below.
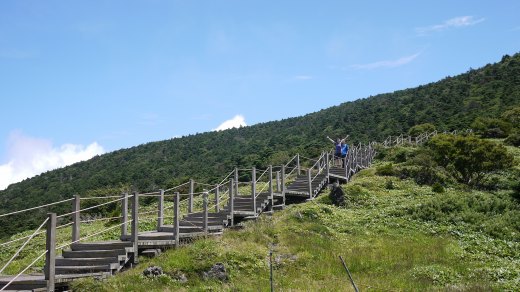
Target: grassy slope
(385, 247)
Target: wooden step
(94, 253)
(151, 252)
(24, 282)
(83, 269)
(210, 216)
(101, 245)
(200, 222)
(60, 261)
(161, 239)
(190, 228)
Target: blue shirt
(344, 149)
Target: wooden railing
(402, 139)
(223, 193)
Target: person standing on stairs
(344, 152)
(337, 148)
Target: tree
(512, 116)
(491, 128)
(422, 128)
(469, 158)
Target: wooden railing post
(124, 216)
(190, 198)
(298, 166)
(176, 218)
(278, 188)
(76, 219)
(367, 154)
(217, 199)
(160, 212)
(309, 178)
(231, 202)
(253, 188)
(327, 165)
(350, 164)
(358, 158)
(369, 151)
(236, 181)
(363, 156)
(135, 226)
(361, 161)
(347, 163)
(354, 161)
(271, 193)
(283, 184)
(50, 256)
(205, 211)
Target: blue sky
(79, 78)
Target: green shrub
(438, 188)
(469, 158)
(491, 128)
(422, 128)
(494, 214)
(357, 195)
(512, 116)
(496, 181)
(513, 139)
(423, 175)
(516, 191)
(385, 170)
(389, 184)
(401, 154)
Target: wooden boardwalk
(81, 258)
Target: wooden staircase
(338, 173)
(191, 226)
(300, 187)
(243, 205)
(103, 259)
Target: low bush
(389, 184)
(495, 214)
(385, 170)
(438, 188)
(423, 175)
(513, 139)
(516, 192)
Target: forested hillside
(452, 103)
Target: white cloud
(387, 63)
(455, 22)
(236, 122)
(30, 156)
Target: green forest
(485, 99)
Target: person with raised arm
(338, 148)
